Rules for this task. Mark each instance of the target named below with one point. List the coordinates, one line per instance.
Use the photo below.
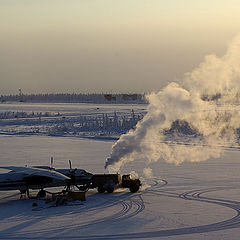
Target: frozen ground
(190, 201)
(69, 119)
(68, 108)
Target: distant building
(109, 97)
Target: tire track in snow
(128, 202)
(131, 205)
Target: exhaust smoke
(193, 102)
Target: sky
(115, 46)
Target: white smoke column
(215, 75)
(166, 106)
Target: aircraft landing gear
(24, 194)
(41, 194)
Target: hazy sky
(108, 45)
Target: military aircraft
(40, 177)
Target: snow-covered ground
(73, 108)
(189, 201)
(69, 119)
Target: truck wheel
(101, 189)
(134, 188)
(110, 189)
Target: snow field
(191, 201)
(200, 199)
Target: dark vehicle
(109, 182)
(132, 184)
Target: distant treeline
(76, 97)
(11, 115)
(97, 124)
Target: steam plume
(185, 102)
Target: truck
(110, 182)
